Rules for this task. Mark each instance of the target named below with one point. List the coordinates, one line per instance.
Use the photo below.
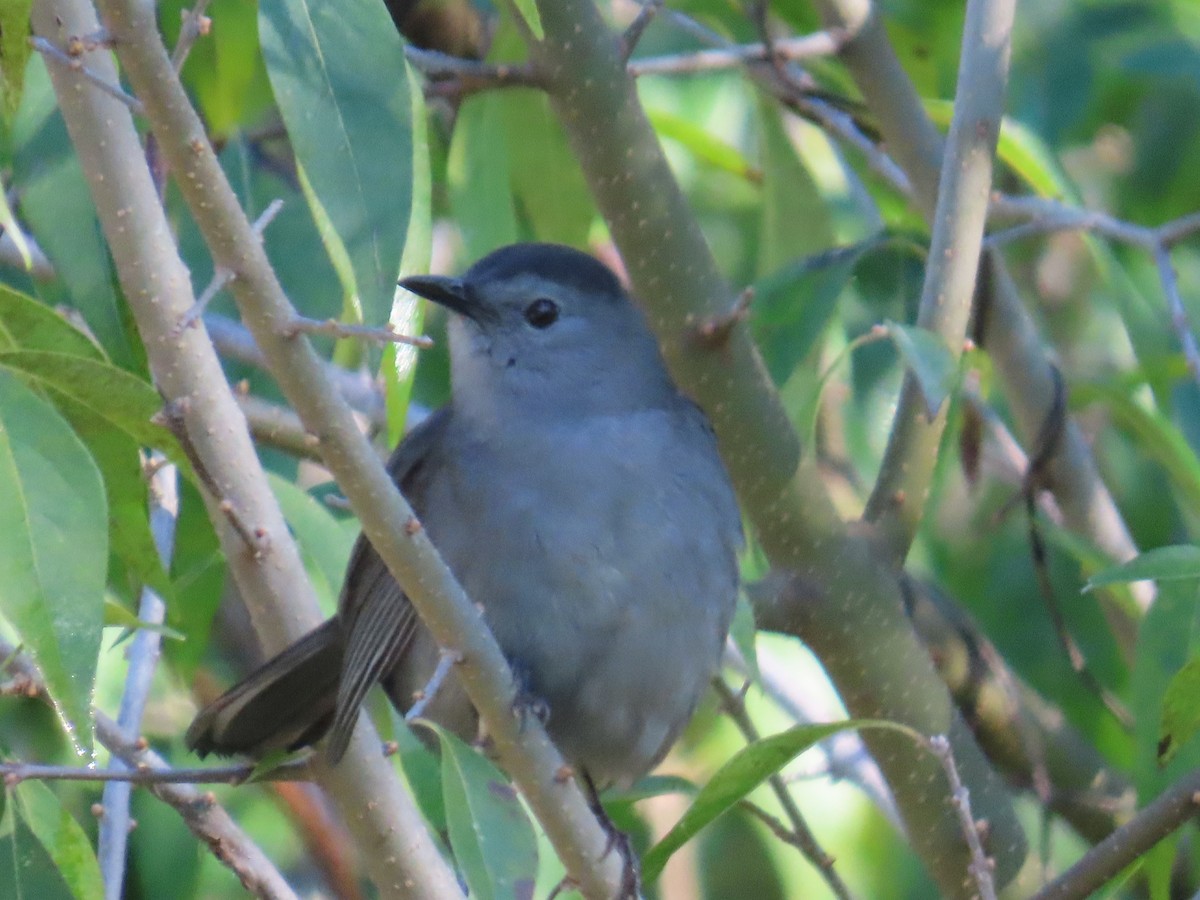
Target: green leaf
(477, 173)
(744, 772)
(341, 83)
(793, 307)
(743, 632)
(492, 837)
(122, 399)
(1159, 564)
(224, 70)
(198, 576)
(790, 196)
(399, 366)
(1169, 636)
(125, 489)
(1181, 710)
(56, 206)
(533, 19)
(51, 855)
(324, 544)
(28, 324)
(1155, 435)
(1023, 151)
(929, 359)
(703, 145)
(117, 616)
(14, 52)
(53, 550)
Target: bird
(579, 498)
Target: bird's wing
(378, 621)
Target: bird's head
(543, 326)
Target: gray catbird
(579, 499)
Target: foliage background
(1101, 113)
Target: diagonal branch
(878, 665)
(1007, 331)
(390, 833)
(454, 622)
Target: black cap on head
(555, 262)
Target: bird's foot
(526, 702)
(631, 868)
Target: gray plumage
(579, 499)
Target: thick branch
(1009, 335)
(390, 833)
(452, 619)
(897, 503)
(858, 628)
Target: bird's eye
(541, 313)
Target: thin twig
(1046, 216)
(1176, 806)
(13, 251)
(802, 837)
(221, 276)
(636, 28)
(819, 43)
(234, 341)
(238, 773)
(195, 25)
(446, 662)
(143, 660)
(332, 327)
(49, 51)
(199, 811)
(846, 759)
(981, 866)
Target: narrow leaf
(31, 325)
(477, 173)
(324, 543)
(492, 837)
(929, 359)
(124, 400)
(744, 772)
(341, 83)
(1181, 710)
(53, 549)
(1159, 564)
(533, 19)
(61, 837)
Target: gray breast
(605, 560)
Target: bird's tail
(286, 703)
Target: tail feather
(286, 703)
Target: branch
(200, 812)
(1007, 332)
(1048, 216)
(962, 201)
(234, 341)
(846, 759)
(71, 60)
(452, 619)
(143, 659)
(981, 867)
(800, 835)
(300, 325)
(390, 834)
(878, 666)
(1175, 807)
(278, 426)
(821, 43)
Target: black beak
(452, 293)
